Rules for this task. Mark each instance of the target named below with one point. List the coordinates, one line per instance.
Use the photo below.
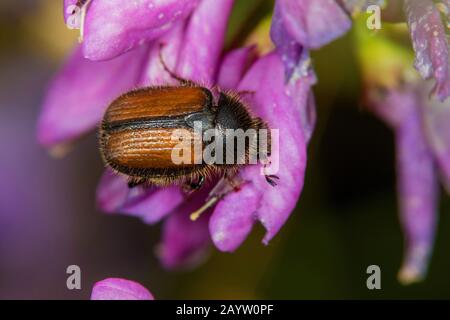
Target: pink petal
(81, 92)
(155, 205)
(430, 43)
(204, 40)
(112, 192)
(233, 218)
(309, 116)
(417, 182)
(234, 65)
(283, 107)
(149, 204)
(184, 242)
(119, 289)
(437, 119)
(115, 26)
(275, 102)
(314, 23)
(155, 74)
(289, 49)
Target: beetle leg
(270, 178)
(194, 185)
(228, 183)
(184, 82)
(198, 184)
(234, 181)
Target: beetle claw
(194, 186)
(271, 180)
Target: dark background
(345, 220)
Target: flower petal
(430, 44)
(233, 218)
(437, 119)
(273, 101)
(234, 65)
(184, 242)
(282, 106)
(81, 92)
(149, 204)
(155, 205)
(155, 74)
(112, 192)
(116, 26)
(417, 182)
(314, 23)
(288, 48)
(204, 40)
(119, 289)
(308, 109)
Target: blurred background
(345, 220)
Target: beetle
(137, 133)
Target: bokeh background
(345, 220)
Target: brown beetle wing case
(157, 102)
(143, 130)
(152, 148)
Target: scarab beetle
(138, 133)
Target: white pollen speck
(219, 236)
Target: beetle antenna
(184, 82)
(167, 69)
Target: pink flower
(127, 38)
(430, 43)
(114, 27)
(417, 178)
(420, 123)
(119, 289)
(119, 51)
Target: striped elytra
(136, 134)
